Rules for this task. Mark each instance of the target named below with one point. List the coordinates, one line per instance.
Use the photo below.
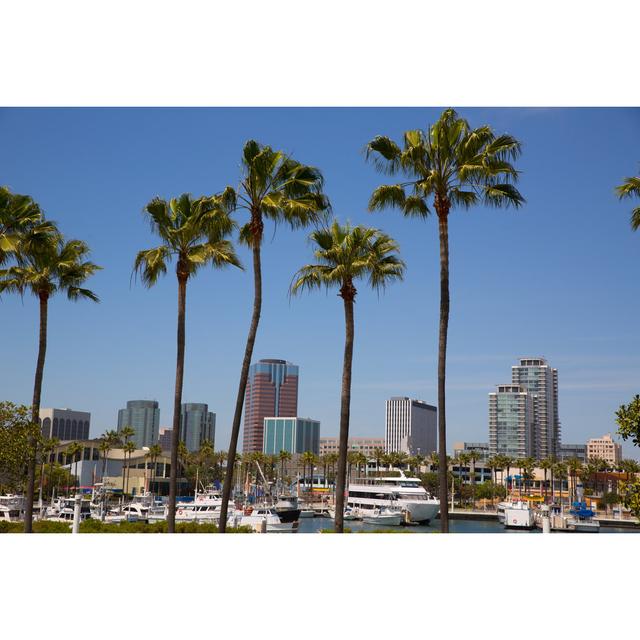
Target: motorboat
(287, 508)
(384, 516)
(582, 519)
(400, 492)
(349, 514)
(65, 510)
(518, 514)
(11, 508)
(261, 517)
(307, 513)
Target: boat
(384, 516)
(349, 514)
(402, 492)
(264, 516)
(287, 508)
(307, 513)
(582, 519)
(65, 510)
(500, 511)
(11, 508)
(518, 514)
(205, 507)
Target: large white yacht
(400, 491)
(205, 507)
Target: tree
(108, 440)
(285, 456)
(474, 456)
(308, 458)
(630, 188)
(574, 466)
(46, 266)
(628, 419)
(546, 464)
(124, 435)
(378, 455)
(462, 459)
(22, 225)
(129, 448)
(344, 255)
(155, 451)
(17, 437)
(47, 447)
(278, 188)
(193, 232)
(72, 452)
(458, 167)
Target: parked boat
(65, 509)
(287, 508)
(582, 519)
(385, 516)
(205, 507)
(399, 492)
(349, 514)
(307, 513)
(518, 515)
(11, 508)
(260, 516)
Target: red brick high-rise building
(272, 392)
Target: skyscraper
(410, 426)
(143, 416)
(272, 391)
(511, 421)
(541, 381)
(197, 424)
(295, 435)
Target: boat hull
(288, 515)
(394, 520)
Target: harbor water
(315, 525)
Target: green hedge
(96, 526)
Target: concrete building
(605, 448)
(197, 424)
(164, 438)
(541, 381)
(295, 435)
(143, 416)
(511, 422)
(272, 391)
(65, 424)
(480, 448)
(410, 426)
(567, 451)
(366, 446)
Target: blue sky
(558, 278)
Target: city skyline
(95, 353)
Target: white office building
(410, 426)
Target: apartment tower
(511, 421)
(410, 426)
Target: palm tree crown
(193, 232)
(630, 188)
(345, 254)
(54, 265)
(455, 164)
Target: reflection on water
(313, 525)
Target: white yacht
(11, 508)
(401, 492)
(257, 517)
(65, 509)
(518, 514)
(205, 507)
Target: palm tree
(630, 188)
(72, 452)
(276, 187)
(546, 464)
(129, 448)
(346, 254)
(494, 463)
(308, 458)
(574, 466)
(194, 232)
(378, 455)
(474, 456)
(285, 456)
(458, 167)
(434, 460)
(108, 441)
(46, 449)
(46, 267)
(22, 225)
(50, 447)
(155, 451)
(462, 459)
(559, 470)
(124, 435)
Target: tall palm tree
(574, 466)
(546, 464)
(344, 255)
(378, 455)
(193, 232)
(129, 448)
(155, 451)
(494, 463)
(72, 452)
(630, 188)
(45, 267)
(559, 470)
(285, 456)
(278, 188)
(474, 456)
(108, 440)
(458, 167)
(308, 458)
(124, 435)
(462, 459)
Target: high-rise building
(272, 391)
(197, 424)
(65, 424)
(410, 426)
(165, 437)
(605, 448)
(143, 416)
(295, 435)
(511, 421)
(366, 446)
(541, 381)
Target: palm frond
(384, 153)
(502, 195)
(151, 264)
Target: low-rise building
(606, 449)
(480, 448)
(567, 451)
(364, 445)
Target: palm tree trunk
(177, 401)
(35, 412)
(348, 293)
(257, 227)
(443, 211)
